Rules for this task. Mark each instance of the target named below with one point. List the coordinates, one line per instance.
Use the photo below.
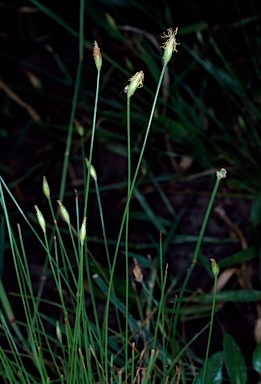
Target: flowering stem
(127, 239)
(74, 102)
(128, 202)
(195, 257)
(92, 142)
(211, 319)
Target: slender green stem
(77, 221)
(20, 210)
(16, 354)
(10, 314)
(127, 241)
(103, 225)
(174, 362)
(81, 29)
(91, 291)
(160, 308)
(108, 259)
(152, 360)
(70, 131)
(127, 204)
(74, 101)
(211, 325)
(78, 318)
(132, 361)
(196, 254)
(132, 188)
(92, 141)
(69, 136)
(79, 303)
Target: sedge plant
(83, 348)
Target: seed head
(79, 128)
(170, 45)
(83, 231)
(40, 218)
(214, 267)
(138, 275)
(222, 174)
(46, 189)
(97, 56)
(64, 213)
(136, 81)
(58, 332)
(91, 168)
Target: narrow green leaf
(240, 296)
(2, 244)
(214, 370)
(133, 324)
(238, 258)
(256, 358)
(115, 301)
(234, 360)
(255, 213)
(150, 214)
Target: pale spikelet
(79, 128)
(97, 56)
(40, 218)
(222, 174)
(63, 212)
(214, 267)
(46, 189)
(170, 45)
(138, 275)
(136, 81)
(58, 332)
(83, 231)
(91, 168)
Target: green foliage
(235, 363)
(115, 312)
(214, 370)
(256, 358)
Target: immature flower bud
(79, 128)
(64, 213)
(138, 275)
(97, 56)
(91, 168)
(46, 189)
(170, 45)
(40, 218)
(214, 267)
(83, 231)
(136, 81)
(58, 332)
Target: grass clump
(100, 328)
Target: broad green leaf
(234, 360)
(213, 372)
(256, 358)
